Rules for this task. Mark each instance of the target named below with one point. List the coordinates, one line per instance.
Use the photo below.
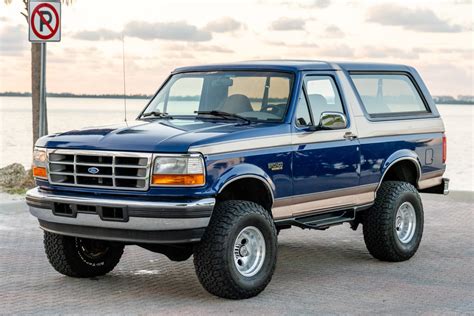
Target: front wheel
(81, 257)
(393, 226)
(236, 257)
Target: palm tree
(35, 74)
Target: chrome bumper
(121, 219)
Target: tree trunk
(35, 88)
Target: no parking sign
(44, 21)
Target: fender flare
(400, 155)
(243, 171)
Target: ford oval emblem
(93, 170)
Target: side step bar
(323, 220)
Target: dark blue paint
(378, 153)
(166, 136)
(325, 166)
(307, 168)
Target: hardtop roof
(294, 66)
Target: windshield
(256, 96)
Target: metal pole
(43, 122)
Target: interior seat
(237, 103)
(319, 105)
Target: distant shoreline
(144, 96)
(72, 95)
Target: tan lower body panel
(430, 179)
(322, 201)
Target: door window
(323, 96)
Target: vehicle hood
(160, 135)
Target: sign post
(44, 21)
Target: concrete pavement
(327, 272)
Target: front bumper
(122, 220)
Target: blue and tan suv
(225, 156)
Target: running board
(322, 220)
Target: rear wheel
(81, 257)
(236, 257)
(393, 227)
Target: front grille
(99, 169)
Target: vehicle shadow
(143, 276)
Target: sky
(435, 37)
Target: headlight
(185, 170)
(39, 163)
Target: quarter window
(302, 113)
(388, 94)
(323, 96)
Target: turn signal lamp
(39, 163)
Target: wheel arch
(253, 180)
(401, 159)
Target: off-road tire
(66, 255)
(213, 256)
(379, 222)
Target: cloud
(422, 20)
(336, 51)
(177, 31)
(288, 24)
(385, 52)
(322, 3)
(97, 35)
(435, 76)
(292, 44)
(334, 31)
(13, 40)
(197, 47)
(223, 25)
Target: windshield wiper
(157, 114)
(223, 114)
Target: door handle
(350, 136)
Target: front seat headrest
(237, 103)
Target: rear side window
(388, 94)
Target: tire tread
(209, 255)
(377, 226)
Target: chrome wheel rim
(405, 222)
(249, 251)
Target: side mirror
(332, 120)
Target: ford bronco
(225, 156)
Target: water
(72, 113)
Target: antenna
(124, 81)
